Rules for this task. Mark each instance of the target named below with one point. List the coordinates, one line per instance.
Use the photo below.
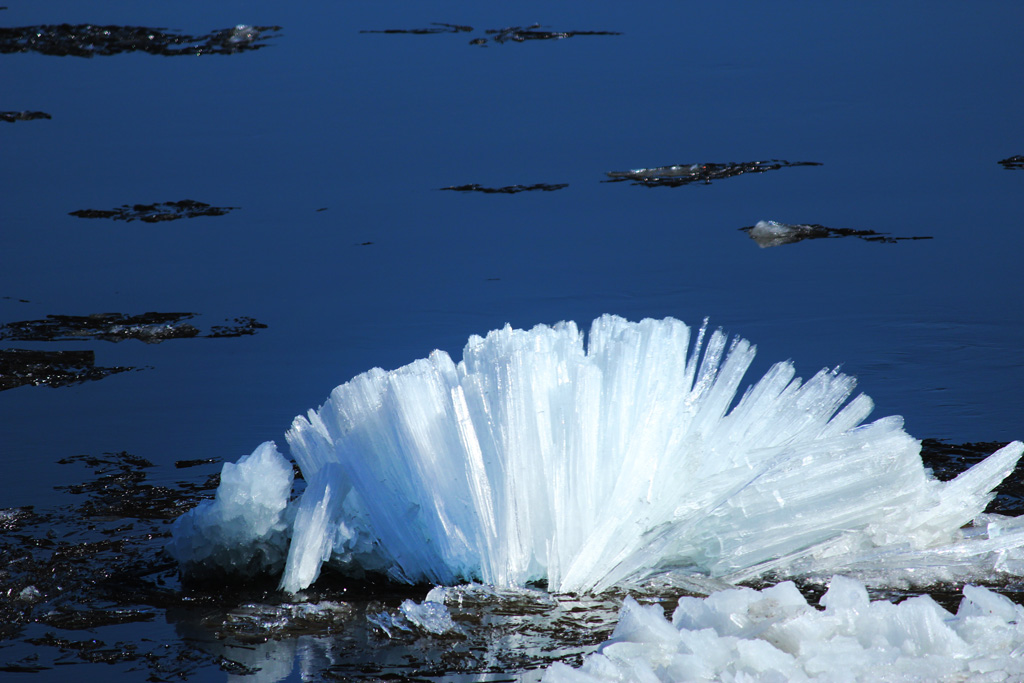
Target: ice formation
(245, 529)
(774, 635)
(536, 458)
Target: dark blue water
(908, 109)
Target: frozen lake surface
(327, 148)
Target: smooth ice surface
(536, 458)
(774, 635)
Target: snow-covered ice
(539, 458)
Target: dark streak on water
(12, 116)
(508, 189)
(156, 213)
(513, 34)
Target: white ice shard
(774, 635)
(536, 458)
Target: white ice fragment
(29, 594)
(429, 616)
(244, 530)
(774, 635)
(773, 233)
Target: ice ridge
(539, 458)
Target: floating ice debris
(12, 116)
(88, 40)
(151, 328)
(685, 174)
(508, 189)
(774, 635)
(430, 616)
(21, 367)
(773, 233)
(1016, 161)
(535, 459)
(156, 213)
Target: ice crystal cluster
(538, 457)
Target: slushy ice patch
(538, 459)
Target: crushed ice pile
(774, 635)
(537, 458)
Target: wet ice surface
(774, 234)
(87, 582)
(87, 40)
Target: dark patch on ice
(28, 367)
(12, 116)
(686, 174)
(89, 40)
(151, 328)
(508, 189)
(156, 213)
(1014, 162)
(773, 234)
(515, 34)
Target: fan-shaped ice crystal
(535, 458)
